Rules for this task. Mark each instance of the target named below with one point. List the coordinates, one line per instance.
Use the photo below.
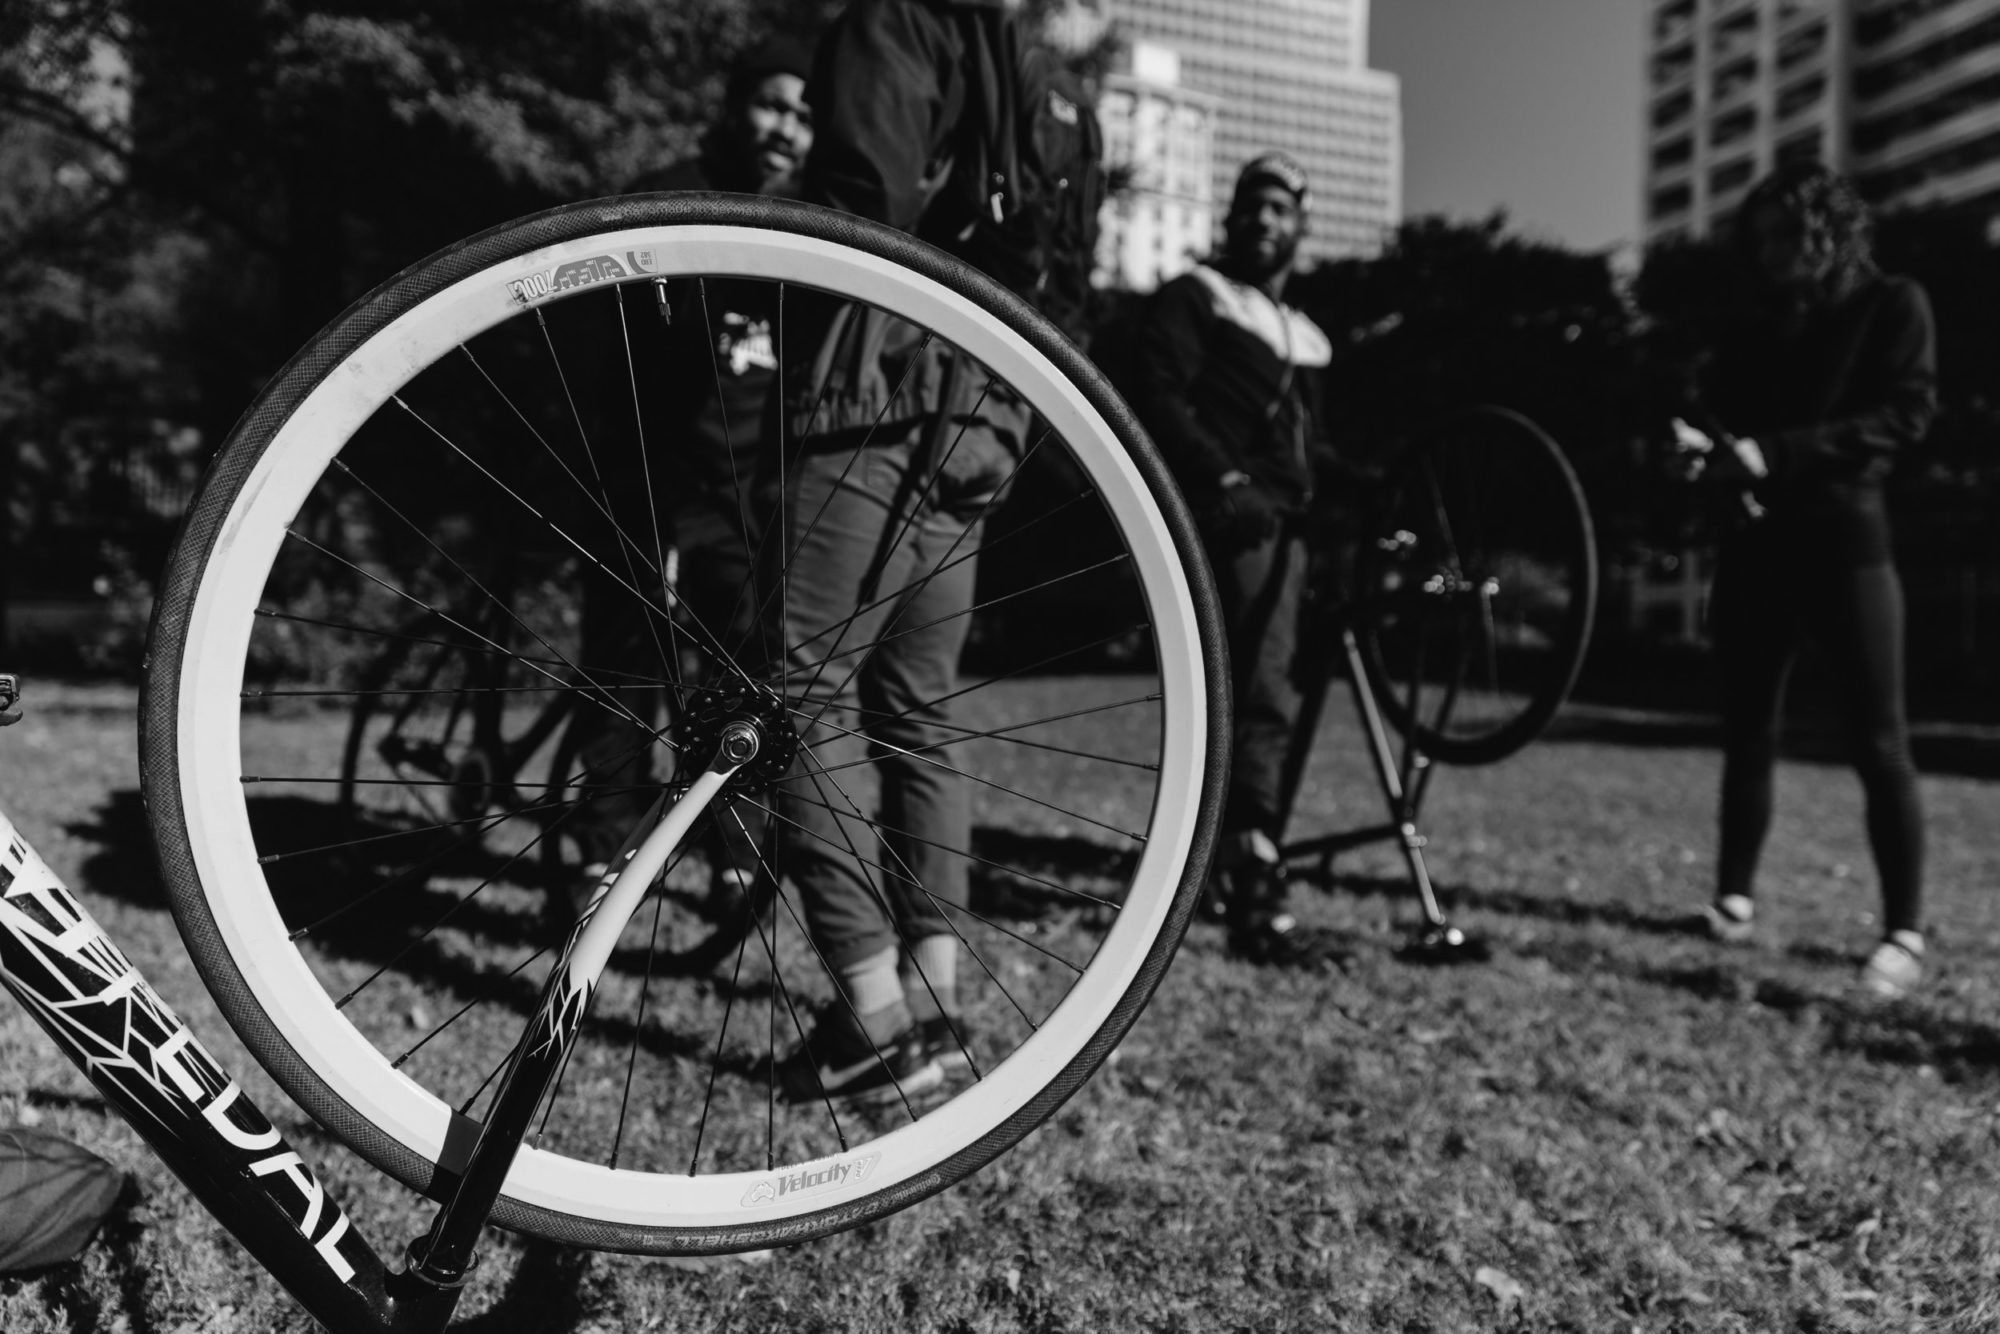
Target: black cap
(1277, 169)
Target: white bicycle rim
(210, 773)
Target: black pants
(1261, 588)
(1765, 604)
(721, 633)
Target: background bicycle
(1456, 591)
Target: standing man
(1226, 377)
(758, 145)
(703, 424)
(901, 450)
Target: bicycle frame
(1404, 779)
(59, 963)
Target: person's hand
(1696, 453)
(1692, 448)
(1240, 516)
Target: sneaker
(946, 1039)
(1896, 966)
(839, 1063)
(1730, 919)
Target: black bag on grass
(53, 1196)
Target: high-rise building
(1162, 137)
(1290, 75)
(1903, 95)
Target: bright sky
(1530, 105)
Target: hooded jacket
(888, 93)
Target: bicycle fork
(443, 1256)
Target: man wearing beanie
(1227, 387)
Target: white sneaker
(1896, 967)
(1731, 919)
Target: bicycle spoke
(1000, 734)
(987, 782)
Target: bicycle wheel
(384, 988)
(1476, 584)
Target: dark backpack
(1029, 170)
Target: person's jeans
(1261, 587)
(875, 606)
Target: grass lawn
(1612, 1125)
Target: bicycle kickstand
(1403, 789)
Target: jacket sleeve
(1887, 403)
(1170, 356)
(880, 95)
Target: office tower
(1163, 137)
(1290, 75)
(1903, 95)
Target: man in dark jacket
(890, 92)
(705, 451)
(1226, 374)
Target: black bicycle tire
(160, 743)
(1529, 722)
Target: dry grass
(1611, 1126)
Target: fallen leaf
(1504, 1286)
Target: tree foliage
(187, 192)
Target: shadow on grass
(1511, 903)
(1906, 1033)
(1025, 876)
(345, 885)
(545, 1292)
(369, 891)
(1962, 751)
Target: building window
(1795, 48)
(1882, 23)
(1728, 129)
(1734, 78)
(1874, 80)
(1805, 93)
(1878, 132)
(1673, 153)
(1675, 65)
(1946, 162)
(1671, 110)
(1731, 175)
(1800, 148)
(1673, 20)
(1667, 202)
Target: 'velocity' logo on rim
(812, 1179)
(543, 284)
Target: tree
(1453, 313)
(190, 191)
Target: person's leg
(1263, 640)
(1753, 623)
(716, 538)
(837, 504)
(925, 809)
(1261, 590)
(867, 1048)
(1861, 625)
(614, 755)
